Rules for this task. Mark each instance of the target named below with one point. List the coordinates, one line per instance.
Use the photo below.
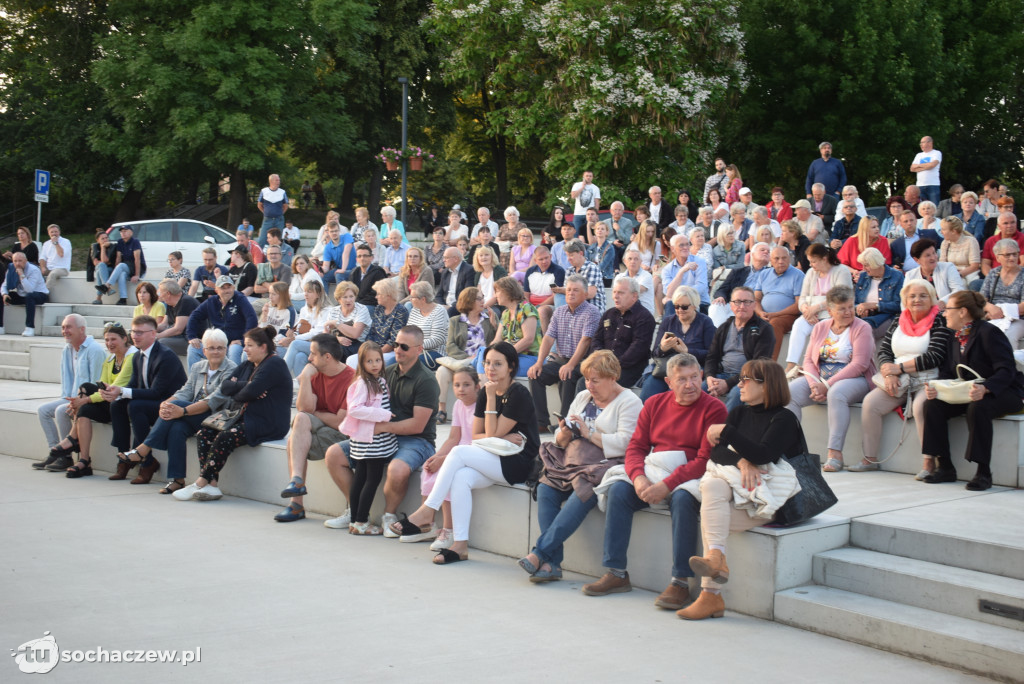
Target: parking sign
(42, 186)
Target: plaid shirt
(568, 327)
(592, 273)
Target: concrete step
(936, 535)
(102, 312)
(968, 645)
(953, 591)
(17, 343)
(15, 358)
(13, 372)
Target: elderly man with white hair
(631, 260)
(483, 216)
(685, 269)
(81, 362)
(760, 257)
(626, 330)
(762, 219)
(850, 194)
(776, 292)
(660, 210)
(810, 223)
(621, 229)
(394, 255)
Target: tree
(872, 77)
(202, 87)
(629, 90)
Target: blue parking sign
(42, 182)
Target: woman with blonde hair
(960, 248)
(522, 254)
(646, 244)
(388, 318)
(280, 314)
(302, 274)
(487, 273)
(310, 323)
(414, 270)
(350, 320)
(868, 235)
(508, 234)
(469, 332)
(732, 193)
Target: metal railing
(23, 215)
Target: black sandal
(447, 557)
(173, 486)
(123, 457)
(406, 528)
(81, 469)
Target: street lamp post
(405, 136)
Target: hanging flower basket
(391, 157)
(416, 155)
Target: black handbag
(660, 370)
(814, 497)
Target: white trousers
(466, 468)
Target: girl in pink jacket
(368, 403)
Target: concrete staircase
(35, 359)
(96, 318)
(927, 583)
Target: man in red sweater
(677, 420)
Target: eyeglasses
(742, 302)
(215, 348)
(1008, 254)
(746, 378)
(136, 333)
(682, 307)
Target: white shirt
(928, 176)
(491, 225)
(646, 281)
(49, 254)
(452, 294)
(586, 198)
(126, 392)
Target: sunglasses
(746, 378)
(403, 346)
(112, 326)
(682, 307)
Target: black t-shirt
(30, 251)
(517, 404)
(244, 275)
(184, 308)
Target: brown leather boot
(608, 584)
(707, 605)
(146, 472)
(122, 471)
(713, 566)
(673, 598)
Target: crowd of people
(670, 394)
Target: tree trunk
(129, 206)
(373, 195)
(213, 191)
(499, 155)
(347, 192)
(237, 200)
(192, 192)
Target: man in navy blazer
(455, 277)
(157, 373)
(900, 246)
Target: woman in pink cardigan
(838, 367)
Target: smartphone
(670, 335)
(101, 385)
(574, 429)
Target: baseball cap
(224, 280)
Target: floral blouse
(512, 326)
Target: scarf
(962, 334)
(909, 327)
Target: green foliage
(872, 77)
(629, 90)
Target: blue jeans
(268, 223)
(580, 221)
(525, 361)
(332, 277)
(651, 386)
(558, 522)
(102, 273)
(412, 450)
(119, 275)
(732, 399)
(931, 193)
(623, 503)
(193, 354)
(171, 435)
(297, 356)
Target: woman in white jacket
(825, 273)
(601, 420)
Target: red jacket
(785, 211)
(664, 425)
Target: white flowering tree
(630, 90)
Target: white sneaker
(444, 541)
(28, 332)
(385, 522)
(207, 493)
(341, 522)
(185, 493)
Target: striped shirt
(384, 444)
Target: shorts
(412, 451)
(322, 436)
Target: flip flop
(832, 465)
(447, 557)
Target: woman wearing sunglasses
(683, 330)
(757, 432)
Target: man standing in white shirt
(587, 195)
(55, 257)
(926, 165)
(483, 215)
(273, 203)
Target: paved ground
(101, 564)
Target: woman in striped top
(431, 318)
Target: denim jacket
(888, 290)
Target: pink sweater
(862, 363)
(363, 412)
